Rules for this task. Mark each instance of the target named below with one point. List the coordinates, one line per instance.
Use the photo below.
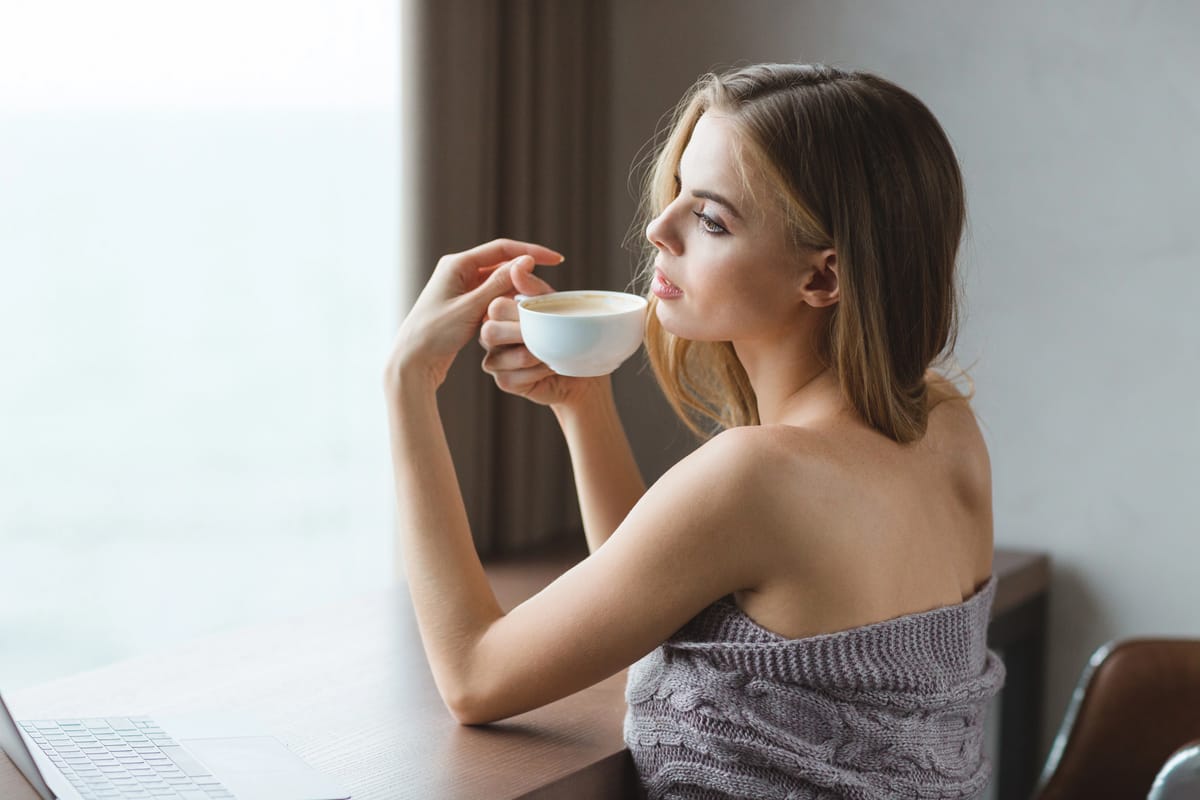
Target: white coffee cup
(582, 334)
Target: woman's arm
(453, 600)
(694, 537)
(691, 539)
(607, 478)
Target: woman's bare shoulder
(762, 450)
(945, 398)
(737, 464)
(788, 473)
(954, 432)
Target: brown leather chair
(1137, 702)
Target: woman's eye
(708, 224)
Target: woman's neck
(791, 385)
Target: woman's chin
(666, 318)
(675, 323)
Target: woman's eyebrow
(716, 198)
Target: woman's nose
(659, 234)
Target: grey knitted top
(726, 708)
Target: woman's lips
(663, 289)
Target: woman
(804, 598)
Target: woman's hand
(515, 369)
(453, 304)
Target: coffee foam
(579, 304)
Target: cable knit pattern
(727, 708)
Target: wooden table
(349, 689)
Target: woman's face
(725, 268)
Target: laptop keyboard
(123, 757)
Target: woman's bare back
(885, 529)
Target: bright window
(199, 244)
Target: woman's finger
(498, 250)
(527, 283)
(509, 359)
(503, 309)
(498, 333)
(521, 379)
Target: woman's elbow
(472, 708)
(467, 715)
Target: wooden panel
(1021, 575)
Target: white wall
(1078, 128)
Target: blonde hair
(857, 164)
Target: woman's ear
(819, 279)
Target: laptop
(194, 757)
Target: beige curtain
(505, 115)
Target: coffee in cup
(582, 334)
